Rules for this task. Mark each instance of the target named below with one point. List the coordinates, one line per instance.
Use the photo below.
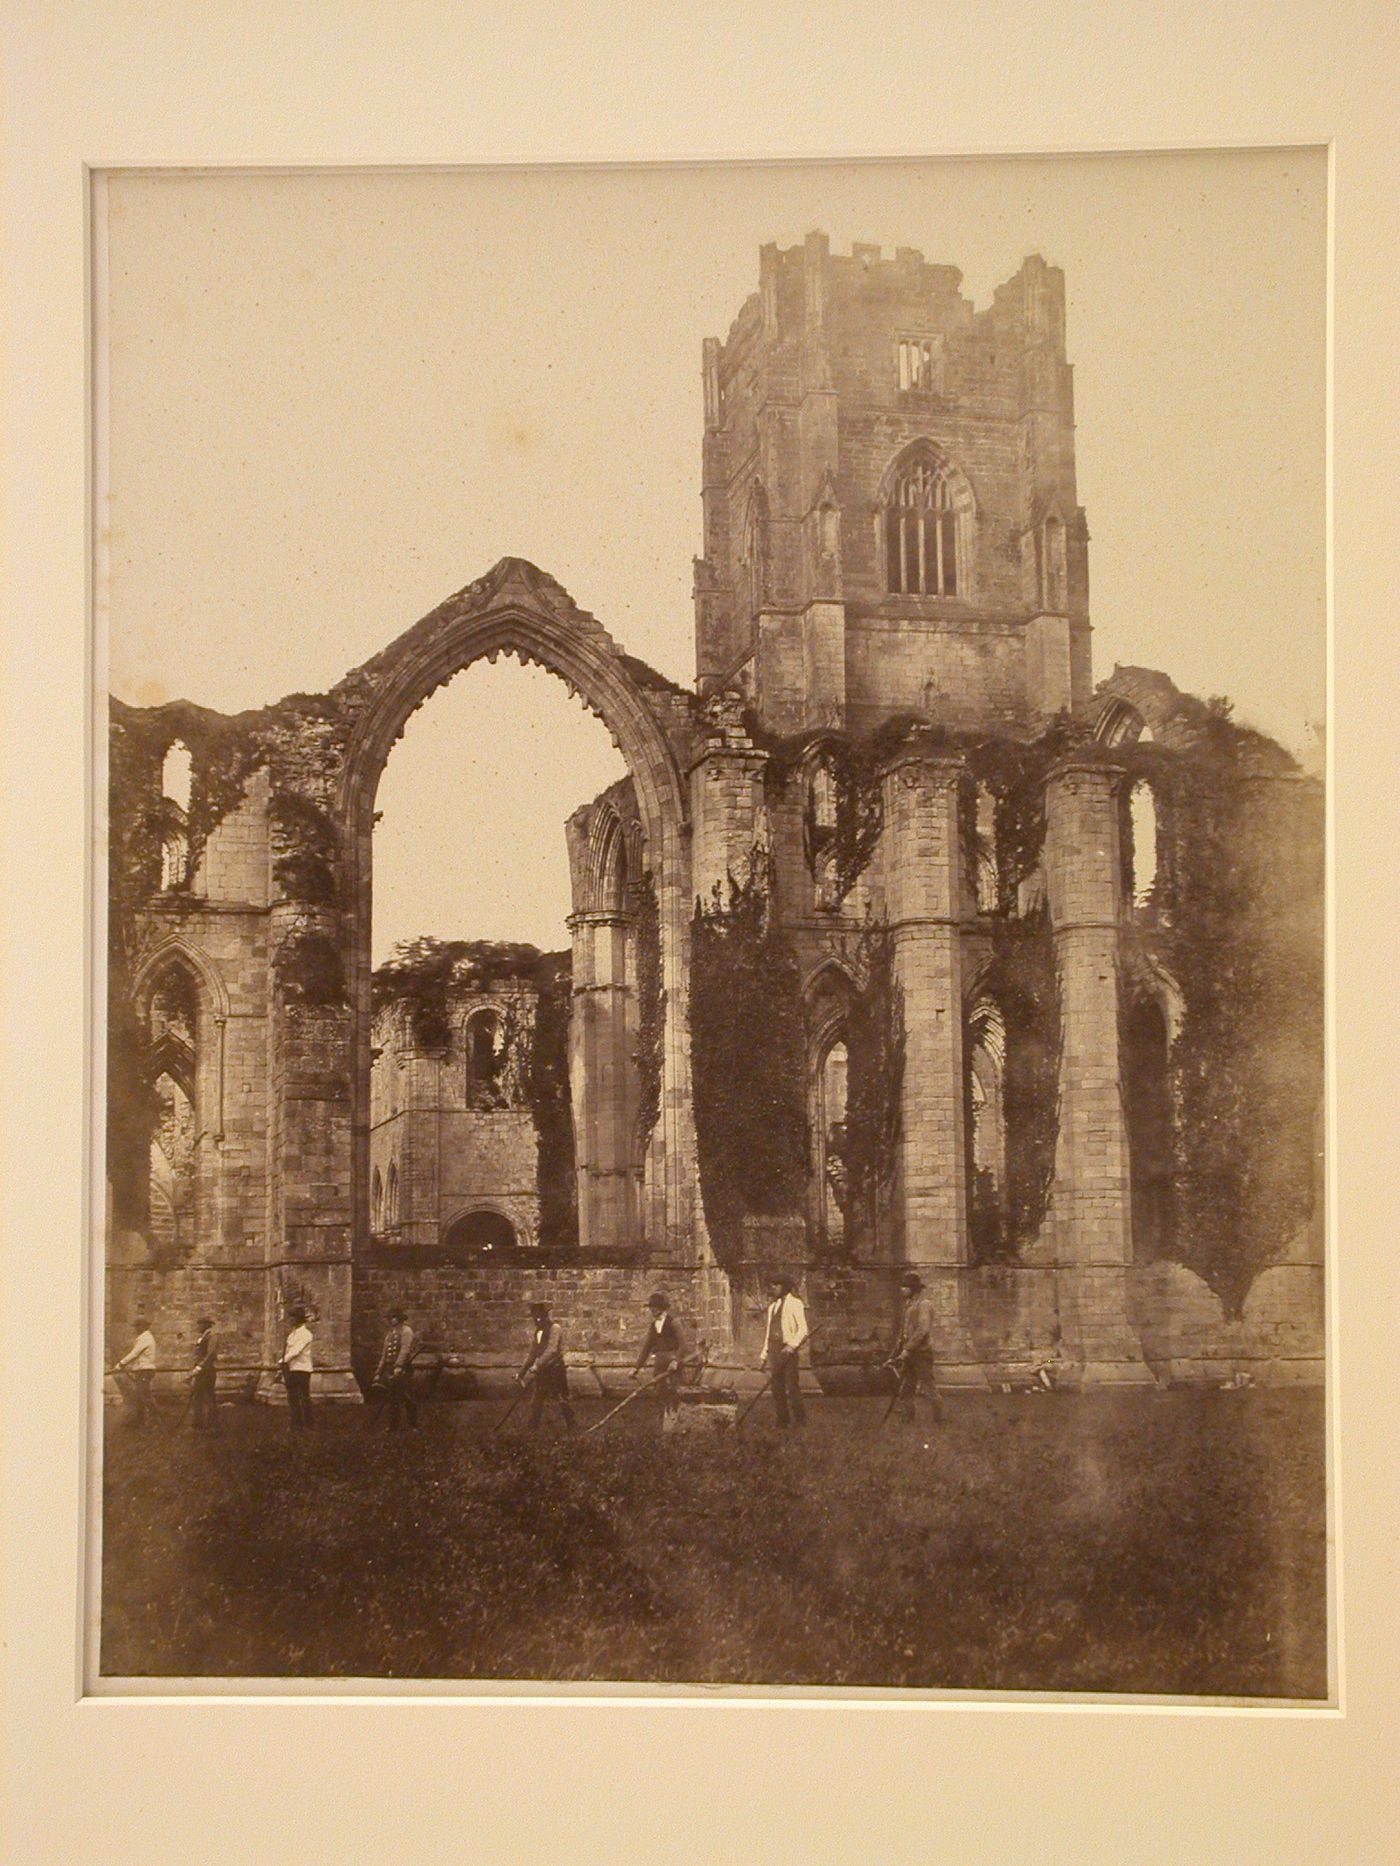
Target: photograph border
(102, 88)
(505, 1691)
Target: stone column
(726, 801)
(309, 1161)
(602, 1075)
(923, 900)
(1091, 1207)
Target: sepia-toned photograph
(712, 1064)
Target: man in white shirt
(136, 1371)
(783, 1339)
(296, 1371)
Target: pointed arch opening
(984, 1130)
(924, 526)
(518, 612)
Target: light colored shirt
(787, 1324)
(296, 1356)
(141, 1353)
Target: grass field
(1123, 1542)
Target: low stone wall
(174, 1300)
(480, 1312)
(1186, 1335)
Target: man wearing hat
(544, 1370)
(667, 1346)
(913, 1358)
(136, 1372)
(295, 1368)
(783, 1338)
(394, 1374)
(204, 1378)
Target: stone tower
(891, 522)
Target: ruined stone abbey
(903, 942)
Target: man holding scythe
(784, 1336)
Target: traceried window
(918, 361)
(921, 531)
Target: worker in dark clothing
(204, 1378)
(912, 1360)
(667, 1346)
(544, 1370)
(393, 1377)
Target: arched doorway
(516, 610)
(480, 1234)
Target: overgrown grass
(1125, 1542)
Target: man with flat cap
(204, 1378)
(544, 1371)
(393, 1377)
(913, 1357)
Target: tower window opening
(916, 363)
(921, 533)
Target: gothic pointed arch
(925, 524)
(518, 611)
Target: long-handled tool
(636, 1393)
(509, 1409)
(920, 1393)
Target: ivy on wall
(1021, 979)
(874, 1089)
(748, 1062)
(651, 1012)
(1238, 924)
(547, 1087)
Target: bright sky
(336, 399)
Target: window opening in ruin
(174, 858)
(916, 362)
(1147, 1103)
(175, 780)
(509, 922)
(171, 1202)
(176, 776)
(1143, 809)
(832, 1135)
(921, 532)
(376, 1202)
(985, 1114)
(985, 880)
(391, 1198)
(485, 1059)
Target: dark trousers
(299, 1400)
(666, 1372)
(399, 1403)
(787, 1396)
(203, 1409)
(916, 1377)
(552, 1382)
(135, 1384)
